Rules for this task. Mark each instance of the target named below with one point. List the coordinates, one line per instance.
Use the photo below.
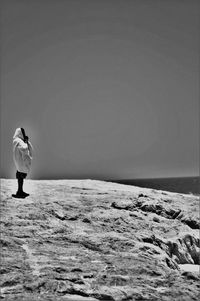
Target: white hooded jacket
(22, 152)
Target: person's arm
(30, 148)
(22, 146)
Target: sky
(105, 89)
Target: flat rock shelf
(93, 240)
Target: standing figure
(22, 155)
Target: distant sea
(187, 185)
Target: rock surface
(93, 240)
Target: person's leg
(19, 192)
(24, 176)
(20, 177)
(20, 185)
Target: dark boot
(18, 196)
(20, 193)
(25, 194)
(20, 186)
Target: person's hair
(23, 133)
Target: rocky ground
(92, 240)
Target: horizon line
(103, 179)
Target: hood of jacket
(18, 134)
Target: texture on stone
(93, 240)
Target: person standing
(22, 155)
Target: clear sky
(106, 89)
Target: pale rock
(86, 240)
